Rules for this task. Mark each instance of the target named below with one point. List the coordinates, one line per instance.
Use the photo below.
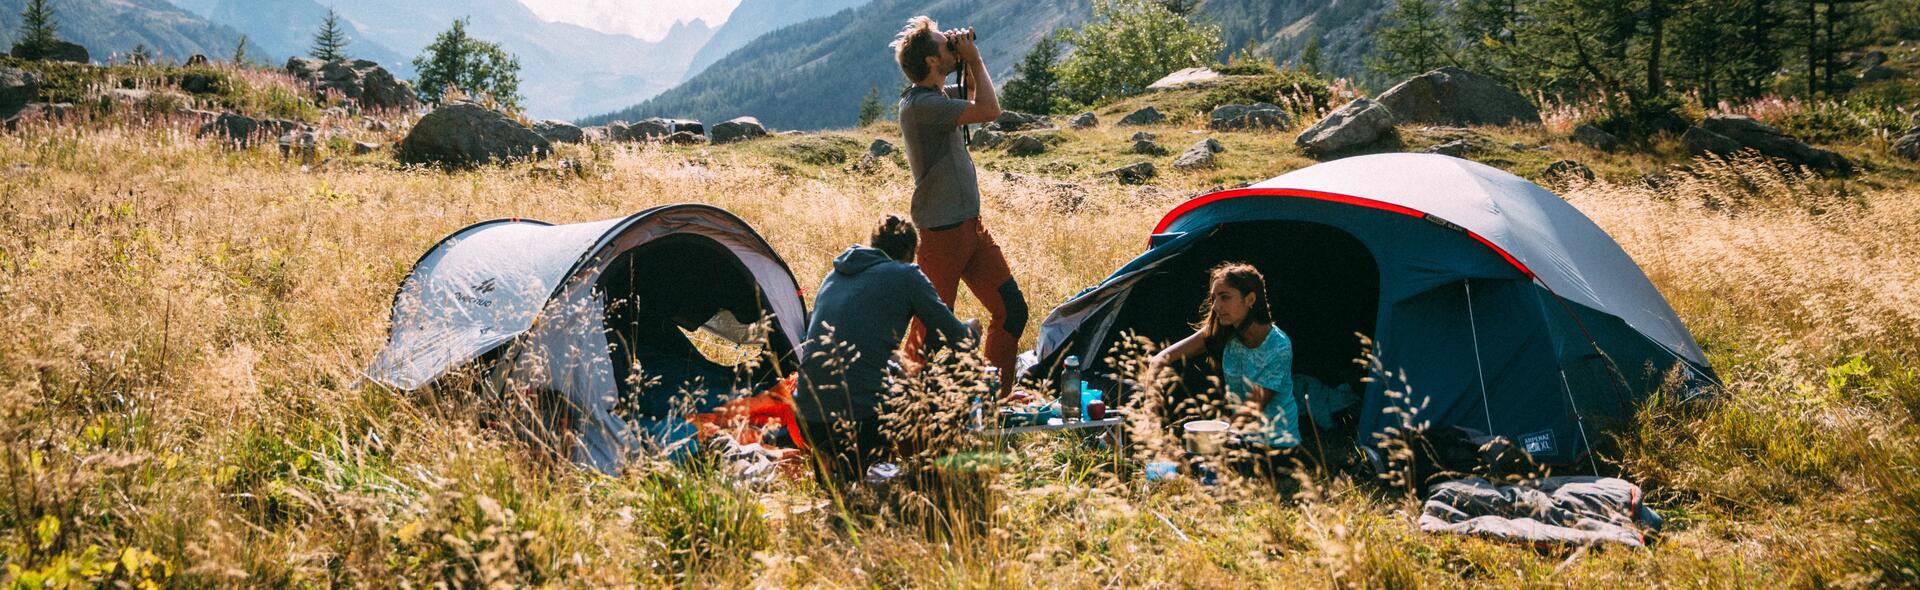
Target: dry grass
(181, 326)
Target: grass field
(182, 324)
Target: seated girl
(1256, 358)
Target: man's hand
(963, 44)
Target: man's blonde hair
(914, 45)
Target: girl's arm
(1186, 347)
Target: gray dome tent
(570, 311)
(1503, 308)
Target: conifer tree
(870, 107)
(37, 34)
(330, 43)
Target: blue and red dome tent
(1499, 307)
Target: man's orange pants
(967, 253)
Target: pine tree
(37, 34)
(1035, 85)
(1414, 43)
(140, 56)
(240, 52)
(870, 107)
(330, 43)
(459, 61)
(1310, 59)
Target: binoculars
(953, 41)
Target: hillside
(753, 18)
(286, 28)
(108, 27)
(812, 75)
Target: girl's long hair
(1247, 280)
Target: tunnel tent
(1500, 307)
(591, 318)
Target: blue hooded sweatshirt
(860, 314)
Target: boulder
(17, 88)
(597, 133)
(196, 60)
(1026, 145)
(1458, 148)
(685, 138)
(1146, 147)
(1198, 156)
(1141, 136)
(648, 129)
(1700, 142)
(984, 138)
(59, 51)
(1872, 58)
(240, 130)
(1145, 116)
(300, 144)
(126, 95)
(1083, 121)
(1878, 73)
(1452, 96)
(1908, 146)
(361, 148)
(1358, 124)
(559, 131)
(1133, 173)
(880, 148)
(1010, 121)
(38, 111)
(1259, 115)
(738, 129)
(466, 134)
(359, 80)
(1595, 138)
(1563, 170)
(1765, 139)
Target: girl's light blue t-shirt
(1269, 366)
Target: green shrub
(697, 519)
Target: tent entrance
(1324, 285)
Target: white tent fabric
(1565, 250)
(529, 286)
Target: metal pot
(1206, 437)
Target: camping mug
(1206, 437)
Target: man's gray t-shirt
(945, 190)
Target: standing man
(954, 245)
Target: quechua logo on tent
(480, 289)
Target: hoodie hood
(858, 259)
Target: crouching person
(860, 314)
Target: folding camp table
(1114, 426)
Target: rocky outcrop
(359, 80)
(1767, 140)
(657, 128)
(738, 129)
(241, 130)
(58, 51)
(1026, 145)
(1908, 146)
(1145, 116)
(38, 111)
(17, 88)
(1567, 170)
(1700, 142)
(465, 134)
(1133, 173)
(1259, 115)
(1183, 78)
(559, 131)
(1452, 96)
(880, 148)
(1359, 124)
(1083, 121)
(986, 139)
(1010, 121)
(1595, 138)
(1458, 148)
(1199, 155)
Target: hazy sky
(646, 19)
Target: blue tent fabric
(1499, 306)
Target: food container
(1206, 437)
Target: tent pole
(1478, 369)
(1579, 419)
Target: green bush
(1297, 91)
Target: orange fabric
(747, 417)
(967, 253)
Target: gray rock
(685, 138)
(38, 111)
(984, 138)
(594, 134)
(1010, 121)
(880, 148)
(1595, 138)
(1145, 116)
(1141, 136)
(1908, 146)
(1878, 73)
(1872, 58)
(1767, 140)
(17, 88)
(240, 130)
(1563, 170)
(1458, 148)
(197, 60)
(1083, 121)
(1026, 145)
(1260, 115)
(648, 129)
(126, 95)
(1358, 124)
(1197, 156)
(361, 148)
(59, 51)
(1146, 147)
(559, 131)
(1183, 78)
(300, 144)
(1133, 173)
(464, 134)
(738, 129)
(364, 82)
(1701, 142)
(1452, 96)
